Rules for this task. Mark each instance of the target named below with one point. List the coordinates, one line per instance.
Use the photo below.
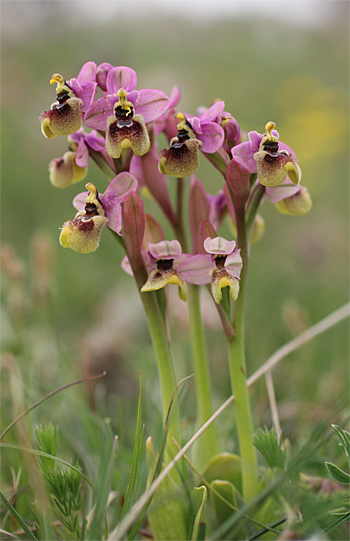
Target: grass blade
(17, 517)
(103, 485)
(49, 396)
(130, 491)
(46, 455)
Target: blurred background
(66, 315)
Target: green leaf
(197, 520)
(226, 467)
(46, 455)
(338, 475)
(165, 513)
(227, 491)
(17, 517)
(130, 491)
(343, 518)
(268, 445)
(344, 437)
(103, 483)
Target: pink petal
(77, 136)
(121, 185)
(125, 265)
(214, 111)
(196, 269)
(219, 245)
(254, 140)
(79, 201)
(244, 154)
(166, 249)
(84, 91)
(175, 97)
(101, 74)
(121, 77)
(82, 158)
(95, 141)
(234, 263)
(151, 104)
(114, 215)
(283, 190)
(97, 114)
(196, 125)
(212, 137)
(87, 73)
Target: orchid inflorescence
(123, 126)
(124, 123)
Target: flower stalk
(238, 374)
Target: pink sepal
(121, 77)
(165, 249)
(219, 245)
(282, 191)
(196, 269)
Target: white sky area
(309, 13)
(28, 14)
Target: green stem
(238, 373)
(210, 443)
(253, 206)
(102, 163)
(164, 359)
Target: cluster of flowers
(124, 123)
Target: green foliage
(199, 519)
(339, 475)
(225, 466)
(268, 445)
(130, 491)
(68, 496)
(103, 484)
(47, 438)
(166, 513)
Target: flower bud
(64, 171)
(101, 75)
(297, 204)
(258, 229)
(181, 159)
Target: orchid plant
(123, 125)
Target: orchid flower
(82, 234)
(181, 159)
(221, 267)
(266, 155)
(73, 97)
(112, 199)
(124, 111)
(161, 261)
